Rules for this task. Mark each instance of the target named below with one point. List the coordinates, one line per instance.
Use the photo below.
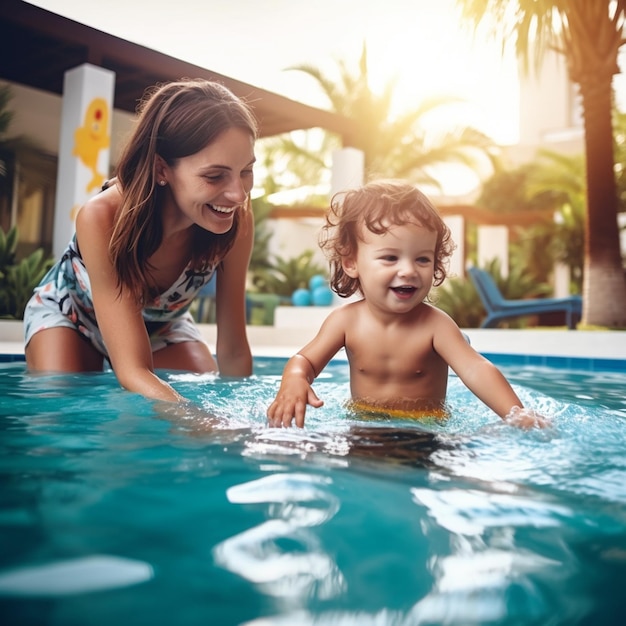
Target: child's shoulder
(435, 311)
(345, 314)
(436, 317)
(347, 310)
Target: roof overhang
(37, 47)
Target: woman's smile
(226, 210)
(223, 212)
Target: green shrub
(18, 278)
(284, 276)
(460, 300)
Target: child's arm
(486, 381)
(482, 377)
(294, 394)
(295, 390)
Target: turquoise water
(112, 512)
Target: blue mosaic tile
(504, 360)
(11, 358)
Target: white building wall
(37, 115)
(291, 237)
(549, 110)
(493, 243)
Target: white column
(561, 280)
(84, 145)
(493, 242)
(348, 170)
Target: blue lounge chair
(498, 308)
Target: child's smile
(405, 292)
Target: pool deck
(595, 350)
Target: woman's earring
(162, 183)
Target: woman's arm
(233, 350)
(118, 314)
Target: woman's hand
(189, 414)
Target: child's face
(209, 186)
(395, 269)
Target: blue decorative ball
(301, 297)
(322, 296)
(317, 281)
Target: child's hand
(526, 418)
(290, 402)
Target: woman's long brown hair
(175, 120)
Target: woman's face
(206, 188)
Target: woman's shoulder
(100, 210)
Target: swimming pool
(111, 513)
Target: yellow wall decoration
(92, 137)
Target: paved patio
(540, 346)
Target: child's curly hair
(377, 206)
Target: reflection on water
(109, 508)
(281, 555)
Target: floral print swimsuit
(63, 299)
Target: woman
(177, 212)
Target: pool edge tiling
(559, 348)
(559, 362)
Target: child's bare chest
(405, 355)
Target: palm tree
(588, 33)
(392, 146)
(561, 177)
(297, 160)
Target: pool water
(114, 511)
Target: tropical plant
(460, 300)
(393, 146)
(517, 284)
(562, 178)
(554, 183)
(18, 278)
(284, 276)
(259, 258)
(589, 35)
(298, 160)
(506, 191)
(619, 140)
